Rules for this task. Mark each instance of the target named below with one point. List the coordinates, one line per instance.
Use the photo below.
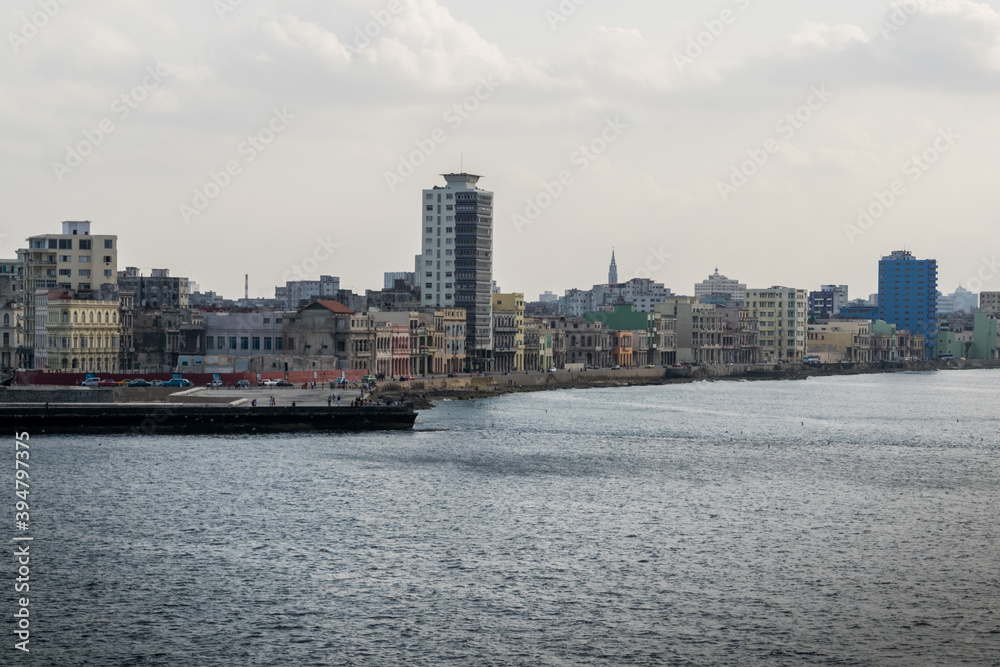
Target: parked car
(139, 383)
(368, 378)
(243, 384)
(91, 382)
(107, 383)
(157, 383)
(453, 374)
(214, 383)
(282, 383)
(552, 369)
(341, 381)
(267, 383)
(650, 366)
(592, 367)
(178, 382)
(616, 367)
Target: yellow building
(75, 260)
(508, 332)
(83, 335)
(782, 315)
(838, 341)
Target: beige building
(841, 341)
(82, 334)
(989, 302)
(73, 261)
(508, 332)
(782, 315)
(699, 329)
(449, 340)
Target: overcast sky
(118, 111)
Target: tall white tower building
(455, 268)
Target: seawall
(424, 391)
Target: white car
(90, 382)
(552, 369)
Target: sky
(784, 142)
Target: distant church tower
(613, 271)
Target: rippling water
(846, 521)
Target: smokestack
(246, 286)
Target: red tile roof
(332, 306)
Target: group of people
(270, 402)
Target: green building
(985, 337)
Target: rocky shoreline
(424, 393)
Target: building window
(65, 244)
(84, 259)
(84, 244)
(107, 273)
(84, 273)
(107, 259)
(244, 342)
(267, 343)
(210, 343)
(222, 342)
(256, 342)
(279, 344)
(109, 244)
(232, 342)
(65, 272)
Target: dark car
(283, 383)
(453, 374)
(178, 382)
(243, 384)
(139, 383)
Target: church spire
(613, 271)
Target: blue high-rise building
(907, 295)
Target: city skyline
(784, 144)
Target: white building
(719, 285)
(389, 278)
(455, 267)
(961, 300)
(782, 317)
(75, 260)
(244, 334)
(548, 297)
(297, 291)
